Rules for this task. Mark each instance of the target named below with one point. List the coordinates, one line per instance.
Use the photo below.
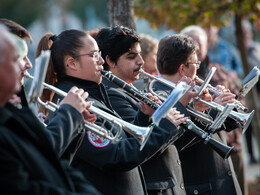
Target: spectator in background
(253, 51)
(149, 47)
(223, 53)
(220, 77)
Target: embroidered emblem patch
(97, 141)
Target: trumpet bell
(245, 120)
(141, 134)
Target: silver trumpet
(243, 119)
(141, 134)
(213, 90)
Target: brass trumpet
(141, 134)
(243, 119)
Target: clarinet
(136, 94)
(223, 150)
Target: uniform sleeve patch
(97, 141)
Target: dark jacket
(28, 162)
(113, 167)
(64, 139)
(204, 170)
(162, 172)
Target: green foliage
(177, 14)
(23, 12)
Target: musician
(221, 77)
(120, 47)
(65, 140)
(28, 162)
(204, 171)
(112, 167)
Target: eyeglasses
(96, 55)
(196, 63)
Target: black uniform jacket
(65, 137)
(163, 174)
(204, 170)
(28, 162)
(113, 167)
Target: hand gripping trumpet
(223, 150)
(213, 90)
(248, 82)
(243, 119)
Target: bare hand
(186, 98)
(146, 109)
(225, 97)
(175, 117)
(76, 97)
(204, 96)
(89, 116)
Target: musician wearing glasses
(28, 162)
(204, 171)
(112, 167)
(120, 47)
(65, 130)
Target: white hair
(195, 30)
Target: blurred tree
(121, 13)
(78, 7)
(23, 12)
(177, 14)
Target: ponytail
(51, 77)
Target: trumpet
(213, 90)
(141, 134)
(243, 119)
(223, 150)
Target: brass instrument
(223, 150)
(213, 90)
(243, 119)
(141, 134)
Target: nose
(100, 61)
(140, 60)
(28, 64)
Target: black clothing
(204, 170)
(162, 172)
(28, 163)
(64, 139)
(113, 167)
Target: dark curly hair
(115, 41)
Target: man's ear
(110, 63)
(180, 70)
(71, 63)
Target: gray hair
(195, 30)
